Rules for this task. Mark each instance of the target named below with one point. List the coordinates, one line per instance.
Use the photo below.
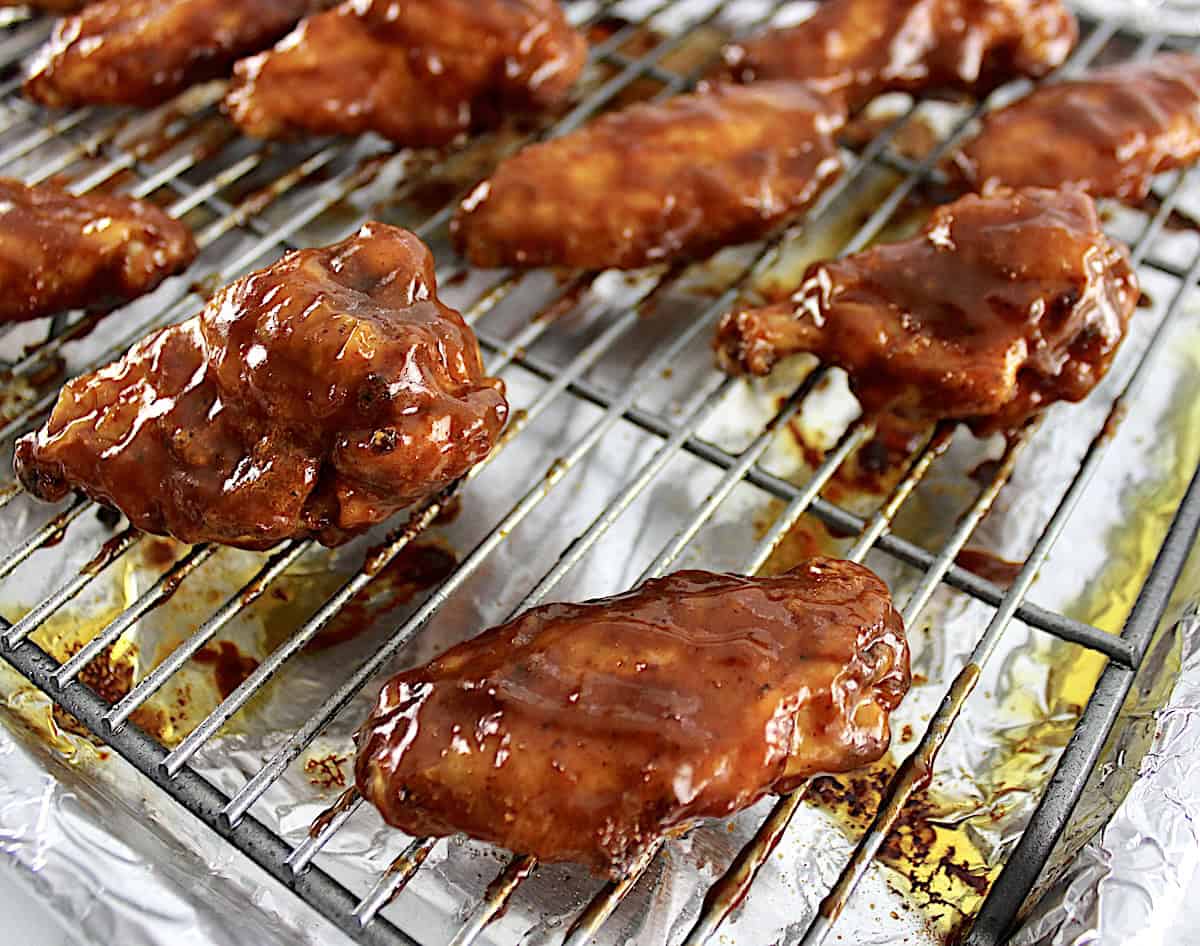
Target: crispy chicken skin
(420, 74)
(1003, 305)
(858, 49)
(312, 398)
(582, 732)
(143, 52)
(60, 252)
(654, 182)
(1108, 133)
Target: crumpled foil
(122, 863)
(1151, 843)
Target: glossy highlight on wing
(858, 49)
(657, 182)
(1001, 306)
(584, 732)
(144, 52)
(59, 251)
(1107, 133)
(313, 398)
(421, 73)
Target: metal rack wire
(92, 148)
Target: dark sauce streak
(564, 304)
(417, 567)
(1113, 422)
(107, 516)
(449, 511)
(54, 538)
(999, 571)
(230, 666)
(641, 41)
(322, 822)
(1177, 221)
(403, 868)
(872, 469)
(985, 473)
(498, 887)
(109, 551)
(159, 553)
(170, 586)
(671, 275)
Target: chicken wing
(422, 78)
(857, 49)
(1001, 306)
(653, 182)
(143, 52)
(313, 398)
(59, 251)
(1108, 133)
(583, 732)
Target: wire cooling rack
(249, 202)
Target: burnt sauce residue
(934, 863)
(111, 675)
(873, 468)
(325, 771)
(111, 679)
(229, 665)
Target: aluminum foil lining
(1151, 843)
(123, 863)
(1175, 16)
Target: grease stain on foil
(223, 663)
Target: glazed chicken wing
(857, 49)
(654, 182)
(1108, 133)
(313, 398)
(582, 732)
(143, 52)
(1001, 306)
(421, 78)
(60, 252)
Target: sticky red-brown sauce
(999, 571)
(588, 708)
